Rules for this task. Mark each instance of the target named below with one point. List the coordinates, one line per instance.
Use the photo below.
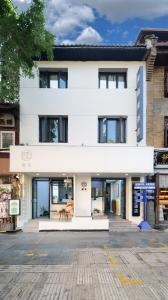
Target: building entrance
(109, 196)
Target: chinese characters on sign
(161, 158)
(14, 207)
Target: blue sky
(101, 21)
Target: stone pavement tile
(112, 292)
(155, 258)
(18, 291)
(160, 291)
(6, 277)
(139, 292)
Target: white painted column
(82, 201)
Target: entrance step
(121, 225)
(31, 226)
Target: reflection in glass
(54, 81)
(103, 81)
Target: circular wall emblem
(26, 155)
(84, 184)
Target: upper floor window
(7, 138)
(166, 83)
(112, 130)
(7, 120)
(112, 80)
(166, 132)
(53, 129)
(54, 79)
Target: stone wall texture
(157, 109)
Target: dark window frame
(119, 129)
(117, 74)
(49, 73)
(165, 132)
(62, 129)
(166, 83)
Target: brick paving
(46, 266)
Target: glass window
(61, 190)
(102, 83)
(63, 81)
(53, 81)
(166, 83)
(112, 130)
(43, 80)
(112, 80)
(121, 81)
(53, 129)
(7, 139)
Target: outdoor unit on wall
(7, 120)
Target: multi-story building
(157, 114)
(9, 135)
(83, 136)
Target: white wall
(77, 159)
(82, 199)
(83, 102)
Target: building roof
(160, 33)
(97, 53)
(161, 45)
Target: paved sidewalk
(44, 266)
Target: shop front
(78, 188)
(161, 177)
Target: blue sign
(140, 100)
(144, 185)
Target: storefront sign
(14, 207)
(161, 159)
(144, 186)
(5, 196)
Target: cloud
(121, 10)
(88, 36)
(64, 18)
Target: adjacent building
(157, 115)
(9, 135)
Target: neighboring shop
(161, 174)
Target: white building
(79, 136)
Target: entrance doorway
(109, 196)
(40, 199)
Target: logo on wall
(161, 159)
(26, 155)
(84, 185)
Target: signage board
(160, 159)
(144, 185)
(14, 207)
(140, 100)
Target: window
(112, 130)
(54, 80)
(61, 190)
(166, 83)
(166, 132)
(110, 80)
(7, 138)
(53, 129)
(7, 120)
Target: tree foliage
(22, 37)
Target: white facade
(82, 157)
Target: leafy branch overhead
(22, 37)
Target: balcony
(81, 159)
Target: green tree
(22, 37)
